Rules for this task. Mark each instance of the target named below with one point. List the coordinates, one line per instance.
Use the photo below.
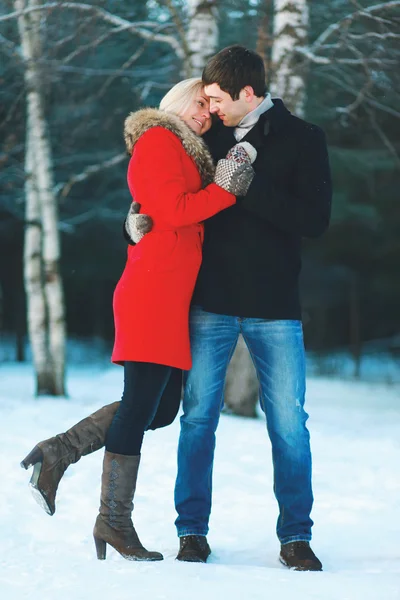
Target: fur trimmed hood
(137, 123)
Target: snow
(355, 429)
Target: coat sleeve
(157, 163)
(306, 209)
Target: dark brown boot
(299, 557)
(114, 524)
(52, 457)
(193, 548)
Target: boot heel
(101, 548)
(34, 456)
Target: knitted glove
(136, 225)
(235, 173)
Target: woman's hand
(235, 173)
(136, 225)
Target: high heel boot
(52, 457)
(114, 523)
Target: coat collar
(278, 116)
(137, 123)
(274, 119)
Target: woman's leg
(143, 387)
(170, 401)
(51, 458)
(144, 384)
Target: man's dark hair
(235, 67)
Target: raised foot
(41, 499)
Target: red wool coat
(152, 298)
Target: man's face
(231, 112)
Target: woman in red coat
(171, 175)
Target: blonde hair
(179, 98)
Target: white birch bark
(290, 30)
(33, 278)
(202, 34)
(39, 157)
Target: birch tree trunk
(46, 307)
(33, 278)
(202, 34)
(290, 29)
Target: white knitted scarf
(252, 117)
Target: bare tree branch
(383, 136)
(93, 44)
(374, 34)
(137, 73)
(362, 94)
(12, 109)
(10, 48)
(105, 16)
(345, 22)
(128, 63)
(149, 85)
(69, 225)
(63, 189)
(73, 36)
(340, 82)
(325, 60)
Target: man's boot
(299, 557)
(114, 524)
(193, 548)
(52, 457)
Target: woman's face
(197, 115)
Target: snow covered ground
(355, 430)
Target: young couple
(217, 255)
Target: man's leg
(213, 340)
(277, 350)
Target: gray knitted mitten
(137, 225)
(235, 173)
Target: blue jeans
(277, 350)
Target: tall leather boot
(52, 457)
(114, 524)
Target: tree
(101, 60)
(356, 57)
(290, 31)
(46, 322)
(43, 285)
(202, 33)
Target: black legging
(144, 384)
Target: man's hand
(235, 173)
(136, 225)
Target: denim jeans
(277, 350)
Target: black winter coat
(252, 251)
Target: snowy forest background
(69, 74)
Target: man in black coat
(248, 284)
